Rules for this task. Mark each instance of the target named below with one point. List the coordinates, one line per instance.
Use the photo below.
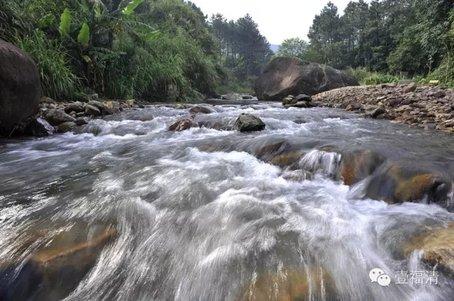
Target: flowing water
(199, 217)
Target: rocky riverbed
(429, 107)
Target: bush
(366, 77)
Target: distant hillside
(275, 48)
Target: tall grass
(57, 79)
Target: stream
(203, 215)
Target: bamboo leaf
(84, 35)
(132, 5)
(65, 22)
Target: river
(198, 215)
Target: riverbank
(426, 107)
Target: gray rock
(39, 127)
(92, 110)
(76, 107)
(284, 76)
(249, 123)
(374, 111)
(66, 127)
(289, 100)
(81, 121)
(303, 97)
(20, 87)
(57, 117)
(200, 110)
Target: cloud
(277, 20)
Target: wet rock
(288, 159)
(82, 121)
(200, 110)
(92, 110)
(55, 269)
(112, 107)
(182, 125)
(20, 87)
(374, 111)
(396, 184)
(249, 123)
(437, 246)
(290, 76)
(269, 151)
(291, 284)
(57, 117)
(358, 165)
(289, 100)
(66, 127)
(303, 97)
(76, 107)
(39, 127)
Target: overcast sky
(277, 19)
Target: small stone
(66, 127)
(200, 110)
(92, 110)
(410, 88)
(57, 117)
(182, 125)
(75, 107)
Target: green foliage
(132, 5)
(294, 47)
(151, 49)
(57, 78)
(366, 77)
(65, 22)
(84, 35)
(407, 37)
(244, 50)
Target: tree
(294, 47)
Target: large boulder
(249, 123)
(20, 88)
(290, 76)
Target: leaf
(132, 5)
(84, 35)
(65, 22)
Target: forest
(169, 50)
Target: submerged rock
(200, 110)
(182, 125)
(359, 164)
(284, 76)
(437, 248)
(290, 285)
(396, 184)
(249, 123)
(54, 269)
(20, 87)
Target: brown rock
(290, 285)
(182, 125)
(437, 246)
(200, 110)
